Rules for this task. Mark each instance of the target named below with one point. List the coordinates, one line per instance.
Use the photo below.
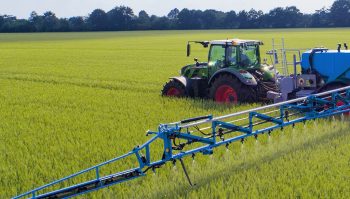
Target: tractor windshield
(249, 56)
(217, 56)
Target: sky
(68, 8)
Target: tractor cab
(234, 53)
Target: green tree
(77, 24)
(21, 25)
(190, 19)
(37, 21)
(173, 18)
(243, 19)
(63, 25)
(294, 17)
(340, 13)
(98, 20)
(50, 22)
(212, 19)
(2, 20)
(143, 22)
(254, 18)
(8, 23)
(173, 14)
(231, 20)
(209, 19)
(120, 18)
(160, 23)
(321, 18)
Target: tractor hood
(193, 68)
(183, 69)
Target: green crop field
(69, 101)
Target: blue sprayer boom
(200, 136)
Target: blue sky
(67, 8)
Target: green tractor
(233, 74)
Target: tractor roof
(236, 42)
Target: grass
(72, 100)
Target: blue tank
(331, 65)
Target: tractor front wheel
(174, 89)
(229, 90)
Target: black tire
(331, 87)
(244, 93)
(174, 88)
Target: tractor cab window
(248, 56)
(231, 55)
(217, 56)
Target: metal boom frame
(220, 133)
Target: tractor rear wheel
(228, 89)
(174, 89)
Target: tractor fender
(194, 87)
(181, 79)
(244, 76)
(184, 81)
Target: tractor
(233, 74)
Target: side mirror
(188, 49)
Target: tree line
(122, 18)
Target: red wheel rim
(340, 103)
(173, 92)
(226, 94)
